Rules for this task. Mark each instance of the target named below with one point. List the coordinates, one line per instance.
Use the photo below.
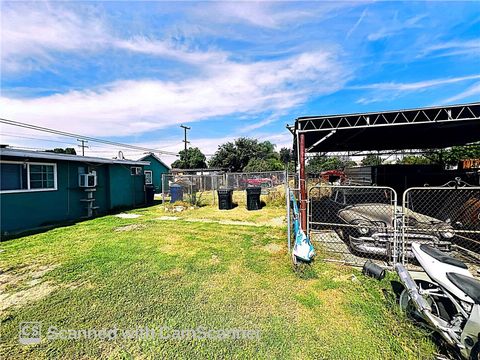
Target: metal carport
(423, 128)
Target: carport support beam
(303, 183)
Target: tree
(320, 163)
(259, 165)
(286, 155)
(453, 155)
(450, 156)
(414, 160)
(192, 158)
(68, 150)
(371, 160)
(235, 156)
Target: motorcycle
(445, 298)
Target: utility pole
(185, 128)
(83, 146)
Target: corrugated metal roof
(65, 157)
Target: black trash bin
(225, 198)
(253, 198)
(149, 193)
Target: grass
(105, 272)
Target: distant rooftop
(29, 154)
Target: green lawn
(127, 273)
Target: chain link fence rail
(202, 189)
(196, 189)
(265, 180)
(353, 223)
(445, 217)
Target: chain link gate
(353, 223)
(446, 217)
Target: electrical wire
(89, 138)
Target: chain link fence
(199, 190)
(265, 180)
(445, 217)
(353, 223)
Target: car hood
(384, 213)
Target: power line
(107, 148)
(85, 138)
(36, 138)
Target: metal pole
(185, 128)
(303, 189)
(288, 219)
(163, 190)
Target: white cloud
(144, 45)
(395, 27)
(355, 26)
(32, 31)
(471, 91)
(452, 48)
(418, 85)
(31, 34)
(391, 90)
(138, 106)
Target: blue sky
(133, 72)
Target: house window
(136, 170)
(23, 176)
(13, 176)
(148, 177)
(42, 176)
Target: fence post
(213, 187)
(287, 195)
(303, 187)
(163, 189)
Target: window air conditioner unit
(87, 180)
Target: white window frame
(151, 177)
(138, 170)
(28, 189)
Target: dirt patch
(273, 248)
(214, 260)
(25, 296)
(130, 227)
(26, 275)
(170, 218)
(24, 286)
(128, 216)
(277, 221)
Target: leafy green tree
(235, 156)
(320, 163)
(414, 160)
(258, 165)
(371, 160)
(68, 150)
(453, 155)
(286, 155)
(450, 156)
(192, 158)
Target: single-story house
(154, 171)
(43, 188)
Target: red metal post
(303, 183)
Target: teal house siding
(125, 190)
(158, 167)
(116, 189)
